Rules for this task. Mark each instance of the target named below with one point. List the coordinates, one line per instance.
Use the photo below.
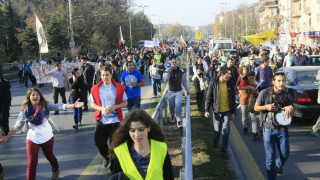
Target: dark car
(302, 84)
(314, 60)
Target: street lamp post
(143, 6)
(71, 30)
(225, 17)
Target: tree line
(95, 26)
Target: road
(303, 162)
(74, 149)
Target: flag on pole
(42, 40)
(288, 30)
(120, 37)
(261, 38)
(215, 50)
(182, 42)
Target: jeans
(255, 122)
(4, 117)
(221, 124)
(26, 76)
(244, 113)
(134, 102)
(275, 139)
(62, 92)
(175, 100)
(32, 154)
(156, 85)
(102, 133)
(199, 93)
(77, 112)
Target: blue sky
(186, 12)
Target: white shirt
(107, 95)
(40, 134)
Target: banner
(156, 42)
(37, 71)
(198, 35)
(261, 38)
(42, 40)
(148, 44)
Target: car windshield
(314, 61)
(228, 53)
(306, 78)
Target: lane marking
(91, 169)
(248, 166)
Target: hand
(271, 107)
(110, 109)
(232, 117)
(169, 71)
(207, 114)
(188, 93)
(4, 139)
(78, 104)
(133, 84)
(288, 111)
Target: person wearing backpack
(271, 101)
(248, 96)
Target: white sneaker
(179, 124)
(154, 96)
(159, 93)
(172, 119)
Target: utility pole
(71, 43)
(143, 6)
(130, 25)
(225, 17)
(290, 11)
(233, 23)
(246, 19)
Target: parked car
(314, 60)
(302, 84)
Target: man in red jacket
(107, 98)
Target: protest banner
(37, 71)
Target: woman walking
(34, 119)
(77, 90)
(138, 150)
(200, 70)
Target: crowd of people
(222, 83)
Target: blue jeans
(175, 101)
(273, 139)
(156, 85)
(134, 102)
(77, 112)
(221, 124)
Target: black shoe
(172, 119)
(85, 109)
(179, 124)
(255, 137)
(56, 113)
(279, 171)
(225, 155)
(245, 131)
(75, 126)
(261, 133)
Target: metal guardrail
(160, 113)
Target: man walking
(299, 59)
(263, 73)
(221, 96)
(155, 77)
(176, 76)
(132, 80)
(269, 102)
(107, 98)
(59, 83)
(87, 76)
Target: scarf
(34, 116)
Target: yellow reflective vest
(158, 58)
(155, 168)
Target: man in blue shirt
(299, 59)
(132, 80)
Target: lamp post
(225, 17)
(143, 6)
(7, 38)
(71, 29)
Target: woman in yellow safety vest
(138, 149)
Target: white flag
(42, 40)
(148, 44)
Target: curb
(245, 161)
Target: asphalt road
(74, 149)
(303, 162)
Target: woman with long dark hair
(138, 149)
(77, 90)
(34, 119)
(200, 71)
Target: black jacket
(213, 96)
(5, 93)
(87, 74)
